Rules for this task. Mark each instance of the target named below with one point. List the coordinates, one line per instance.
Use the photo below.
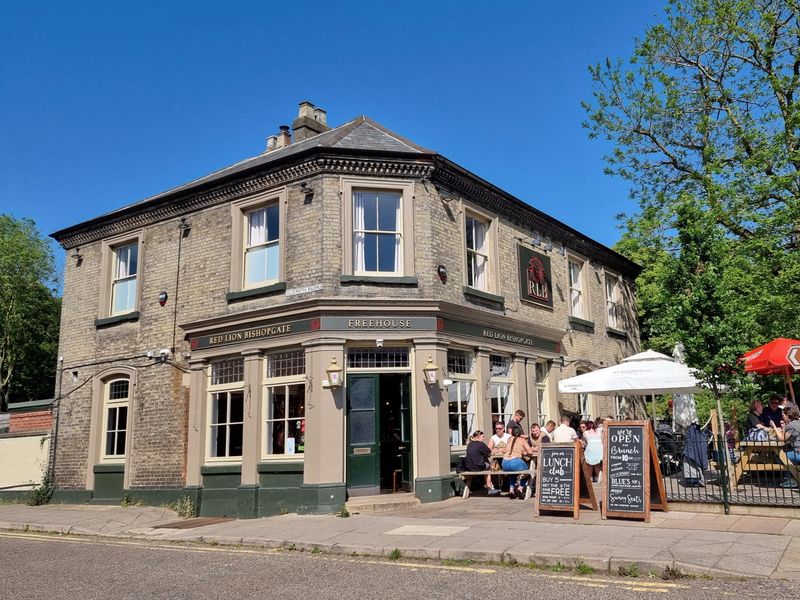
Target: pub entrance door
(378, 433)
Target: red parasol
(778, 357)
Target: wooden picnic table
(467, 476)
(772, 454)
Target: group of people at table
(518, 452)
(778, 420)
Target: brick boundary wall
(40, 420)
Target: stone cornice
(147, 213)
(529, 218)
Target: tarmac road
(36, 566)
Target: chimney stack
(284, 137)
(310, 121)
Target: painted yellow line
(146, 544)
(424, 566)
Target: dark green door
(405, 431)
(363, 418)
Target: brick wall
(39, 420)
(313, 255)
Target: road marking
(424, 566)
(169, 546)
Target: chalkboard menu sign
(557, 475)
(631, 470)
(626, 469)
(563, 481)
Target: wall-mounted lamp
(560, 249)
(536, 239)
(430, 372)
(162, 298)
(441, 271)
(548, 245)
(76, 254)
(334, 372)
(185, 227)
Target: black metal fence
(746, 473)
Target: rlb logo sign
(793, 356)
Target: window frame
(270, 383)
(490, 245)
(240, 209)
(109, 404)
(583, 290)
(540, 386)
(463, 378)
(616, 301)
(500, 381)
(108, 252)
(211, 389)
(350, 185)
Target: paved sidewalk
(483, 529)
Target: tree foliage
(29, 313)
(704, 119)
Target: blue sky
(105, 103)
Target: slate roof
(362, 133)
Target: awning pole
(655, 416)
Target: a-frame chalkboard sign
(632, 482)
(563, 480)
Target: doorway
(379, 453)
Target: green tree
(29, 312)
(704, 121)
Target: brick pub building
(259, 339)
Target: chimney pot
(284, 137)
(306, 109)
(272, 142)
(320, 115)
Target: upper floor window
(377, 232)
(477, 253)
(262, 246)
(123, 278)
(258, 251)
(613, 301)
(115, 411)
(577, 299)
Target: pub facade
(330, 318)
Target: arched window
(116, 399)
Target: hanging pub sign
(632, 477)
(563, 480)
(535, 280)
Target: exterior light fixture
(334, 372)
(548, 245)
(536, 239)
(76, 254)
(162, 298)
(441, 270)
(560, 249)
(430, 372)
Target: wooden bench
(466, 477)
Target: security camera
(379, 342)
(164, 353)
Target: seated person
(756, 430)
(772, 412)
(564, 433)
(537, 437)
(513, 461)
(477, 458)
(549, 427)
(498, 441)
(515, 421)
(789, 432)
